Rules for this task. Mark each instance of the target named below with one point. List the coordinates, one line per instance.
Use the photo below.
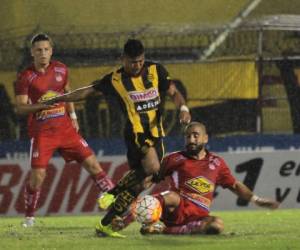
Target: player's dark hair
(133, 48)
(40, 37)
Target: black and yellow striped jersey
(140, 97)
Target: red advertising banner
(68, 188)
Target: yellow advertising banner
(205, 83)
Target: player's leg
(41, 151)
(32, 194)
(76, 148)
(209, 225)
(134, 182)
(146, 162)
(169, 201)
(177, 214)
(143, 161)
(102, 181)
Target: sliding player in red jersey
(51, 127)
(195, 173)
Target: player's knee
(155, 168)
(214, 226)
(171, 200)
(151, 167)
(151, 162)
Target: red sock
(184, 229)
(31, 197)
(103, 182)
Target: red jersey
(42, 86)
(196, 180)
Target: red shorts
(186, 212)
(70, 145)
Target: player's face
(133, 66)
(195, 140)
(41, 52)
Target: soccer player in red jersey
(51, 127)
(194, 174)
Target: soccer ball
(146, 209)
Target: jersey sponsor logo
(48, 95)
(201, 185)
(50, 113)
(140, 96)
(147, 106)
(197, 199)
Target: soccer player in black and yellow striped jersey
(139, 86)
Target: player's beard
(194, 149)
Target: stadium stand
(91, 50)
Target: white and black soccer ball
(147, 209)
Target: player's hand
(266, 203)
(75, 124)
(43, 106)
(184, 117)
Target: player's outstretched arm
(74, 96)
(24, 108)
(184, 115)
(245, 193)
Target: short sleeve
(225, 177)
(104, 85)
(22, 84)
(163, 78)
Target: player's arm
(71, 108)
(245, 193)
(176, 96)
(167, 86)
(164, 170)
(23, 107)
(73, 96)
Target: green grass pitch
(258, 229)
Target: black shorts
(137, 149)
